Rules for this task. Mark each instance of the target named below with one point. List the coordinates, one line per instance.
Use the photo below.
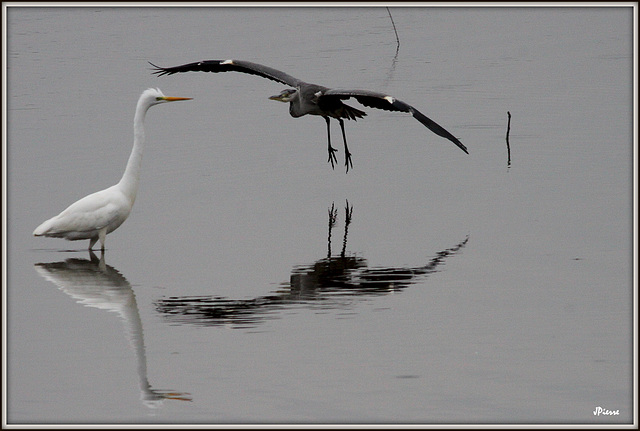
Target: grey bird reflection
(333, 282)
(93, 283)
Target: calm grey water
(451, 288)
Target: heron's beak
(174, 99)
(277, 97)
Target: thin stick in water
(394, 28)
(508, 146)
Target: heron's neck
(295, 109)
(129, 182)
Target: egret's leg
(101, 263)
(93, 257)
(103, 235)
(332, 157)
(347, 154)
(92, 242)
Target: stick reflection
(331, 282)
(93, 283)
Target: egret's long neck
(129, 182)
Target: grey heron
(315, 99)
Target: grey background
(529, 322)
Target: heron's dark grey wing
(373, 99)
(216, 66)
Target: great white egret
(315, 99)
(100, 213)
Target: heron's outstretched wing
(216, 66)
(373, 99)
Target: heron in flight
(306, 98)
(100, 213)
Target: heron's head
(285, 95)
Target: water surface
(449, 288)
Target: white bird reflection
(93, 283)
(332, 282)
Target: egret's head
(154, 96)
(285, 95)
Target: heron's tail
(351, 113)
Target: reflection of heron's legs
(347, 222)
(332, 156)
(347, 154)
(349, 213)
(333, 215)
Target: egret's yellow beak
(174, 99)
(178, 395)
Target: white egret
(100, 213)
(315, 99)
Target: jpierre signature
(605, 412)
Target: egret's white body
(100, 213)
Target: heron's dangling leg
(332, 157)
(92, 242)
(347, 154)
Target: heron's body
(100, 213)
(313, 99)
(307, 99)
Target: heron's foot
(347, 161)
(332, 157)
